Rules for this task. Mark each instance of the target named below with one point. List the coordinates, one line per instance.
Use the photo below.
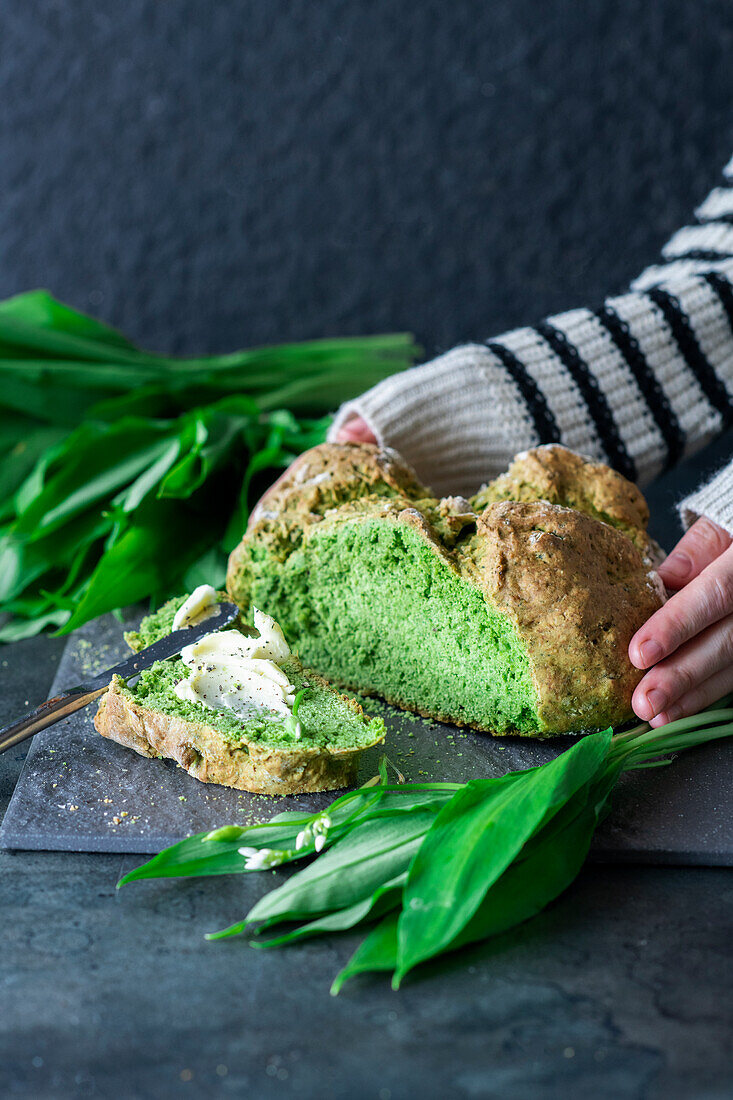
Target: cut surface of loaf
(215, 746)
(510, 613)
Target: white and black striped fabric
(639, 382)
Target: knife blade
(74, 698)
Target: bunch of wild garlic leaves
(126, 475)
(426, 868)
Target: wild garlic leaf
(196, 855)
(258, 462)
(369, 855)
(163, 539)
(33, 484)
(232, 930)
(547, 865)
(383, 899)
(269, 457)
(210, 568)
(18, 629)
(54, 404)
(58, 345)
(78, 375)
(163, 459)
(95, 463)
(39, 309)
(378, 951)
(203, 854)
(22, 563)
(476, 837)
(146, 467)
(15, 429)
(216, 437)
(191, 857)
(101, 402)
(19, 456)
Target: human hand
(355, 430)
(688, 644)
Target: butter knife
(66, 702)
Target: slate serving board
(80, 792)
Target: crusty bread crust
(205, 755)
(577, 590)
(558, 546)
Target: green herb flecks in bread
(221, 719)
(508, 615)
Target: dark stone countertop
(621, 989)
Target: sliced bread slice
(266, 754)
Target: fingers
(701, 696)
(707, 655)
(705, 600)
(355, 430)
(700, 546)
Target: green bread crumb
(356, 618)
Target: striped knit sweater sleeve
(640, 382)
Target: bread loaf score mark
(510, 613)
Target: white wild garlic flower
(315, 832)
(261, 859)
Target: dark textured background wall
(207, 175)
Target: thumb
(355, 430)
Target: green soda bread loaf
(510, 613)
(266, 754)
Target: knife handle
(66, 702)
(49, 712)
